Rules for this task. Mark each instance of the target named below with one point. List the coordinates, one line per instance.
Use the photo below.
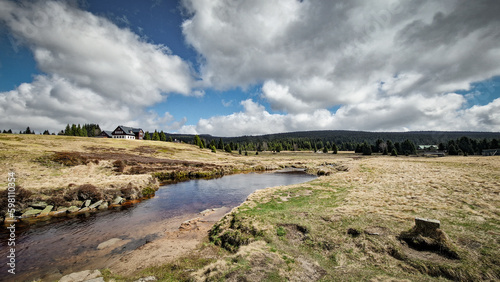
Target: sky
(233, 68)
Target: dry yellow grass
(379, 195)
(27, 156)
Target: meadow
(345, 225)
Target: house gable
(125, 132)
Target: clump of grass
(69, 158)
(119, 165)
(148, 192)
(83, 192)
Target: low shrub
(88, 192)
(69, 158)
(119, 165)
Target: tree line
(469, 143)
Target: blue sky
(249, 68)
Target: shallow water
(65, 245)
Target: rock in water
(108, 243)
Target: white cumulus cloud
(378, 61)
(93, 70)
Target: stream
(65, 245)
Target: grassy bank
(349, 226)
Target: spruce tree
(279, 148)
(163, 137)
(367, 149)
(221, 144)
(147, 136)
(335, 149)
(197, 141)
(156, 136)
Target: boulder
(39, 205)
(84, 210)
(98, 279)
(104, 206)
(73, 209)
(27, 209)
(31, 213)
(96, 204)
(145, 279)
(86, 204)
(46, 211)
(118, 200)
(81, 276)
(109, 243)
(428, 225)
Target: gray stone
(31, 213)
(427, 224)
(96, 204)
(145, 279)
(84, 210)
(104, 206)
(109, 243)
(73, 209)
(82, 276)
(46, 211)
(86, 204)
(118, 200)
(98, 279)
(39, 205)
(26, 209)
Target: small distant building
(491, 152)
(427, 147)
(125, 132)
(105, 134)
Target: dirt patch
(295, 233)
(172, 245)
(429, 240)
